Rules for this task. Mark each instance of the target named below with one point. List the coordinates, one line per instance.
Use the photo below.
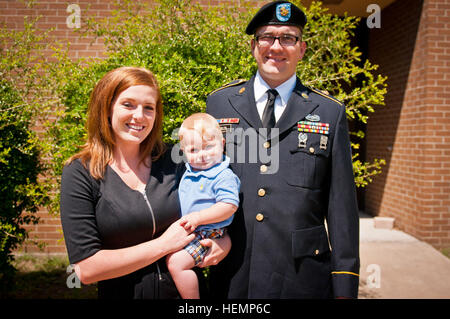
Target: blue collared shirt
(202, 189)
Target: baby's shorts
(195, 249)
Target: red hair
(98, 150)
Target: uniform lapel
(244, 103)
(299, 105)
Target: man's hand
(218, 250)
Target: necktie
(268, 118)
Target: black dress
(107, 214)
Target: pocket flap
(309, 242)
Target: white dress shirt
(284, 93)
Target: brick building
(412, 132)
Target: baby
(209, 196)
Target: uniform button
(263, 168)
(266, 144)
(259, 217)
(316, 252)
(311, 150)
(261, 192)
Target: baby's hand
(189, 222)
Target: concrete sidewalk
(396, 265)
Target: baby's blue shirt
(202, 189)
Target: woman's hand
(218, 250)
(176, 236)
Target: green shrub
(20, 165)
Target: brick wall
(53, 15)
(412, 132)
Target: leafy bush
(20, 166)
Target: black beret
(277, 13)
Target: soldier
(281, 245)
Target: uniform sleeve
(77, 210)
(227, 188)
(343, 218)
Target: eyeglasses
(268, 40)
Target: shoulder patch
(327, 95)
(236, 82)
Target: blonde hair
(98, 150)
(203, 123)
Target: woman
(119, 201)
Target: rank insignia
(313, 127)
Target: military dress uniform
(281, 245)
